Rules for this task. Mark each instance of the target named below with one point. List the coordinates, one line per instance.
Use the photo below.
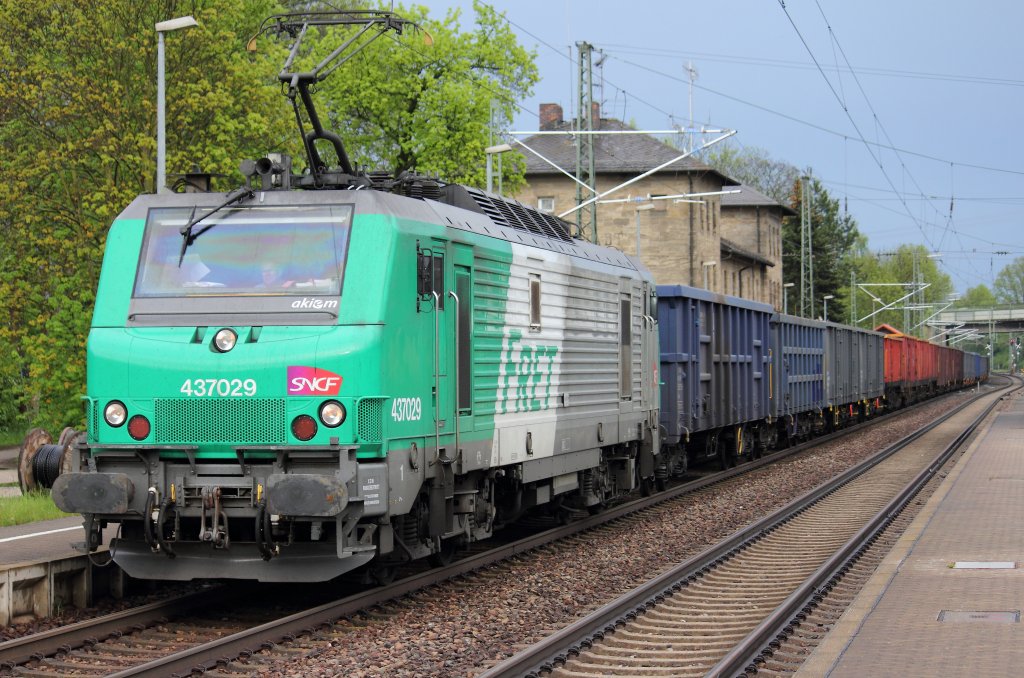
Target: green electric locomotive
(327, 370)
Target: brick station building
(729, 245)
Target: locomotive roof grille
(518, 216)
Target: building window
(546, 204)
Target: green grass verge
(11, 438)
(28, 509)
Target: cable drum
(30, 446)
(40, 461)
(46, 465)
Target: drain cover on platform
(999, 617)
(984, 565)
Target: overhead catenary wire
(920, 221)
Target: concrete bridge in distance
(1001, 318)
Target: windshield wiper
(188, 237)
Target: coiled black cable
(46, 465)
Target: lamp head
(175, 24)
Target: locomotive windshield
(266, 251)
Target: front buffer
(285, 514)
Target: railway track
(724, 611)
(172, 638)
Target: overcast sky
(935, 78)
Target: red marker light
(138, 427)
(304, 427)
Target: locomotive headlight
(332, 413)
(225, 339)
(115, 413)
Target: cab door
(435, 281)
(461, 341)
(649, 348)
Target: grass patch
(11, 438)
(28, 509)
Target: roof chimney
(550, 116)
(595, 115)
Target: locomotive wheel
(445, 555)
(646, 487)
(383, 575)
(34, 440)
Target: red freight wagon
(951, 367)
(895, 360)
(915, 368)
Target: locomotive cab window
(430, 276)
(534, 302)
(247, 251)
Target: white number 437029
(406, 409)
(224, 388)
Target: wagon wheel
(757, 442)
(741, 444)
(712, 450)
(34, 440)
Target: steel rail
(207, 655)
(219, 651)
(556, 649)
(742, 660)
(72, 636)
(65, 638)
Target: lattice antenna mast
(586, 216)
(692, 73)
(806, 249)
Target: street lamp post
(491, 151)
(785, 297)
(825, 299)
(161, 135)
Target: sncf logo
(312, 381)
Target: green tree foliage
(77, 133)
(835, 242)
(890, 274)
(1009, 284)
(401, 104)
(754, 167)
(977, 297)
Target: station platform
(34, 542)
(947, 600)
(42, 541)
(9, 472)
